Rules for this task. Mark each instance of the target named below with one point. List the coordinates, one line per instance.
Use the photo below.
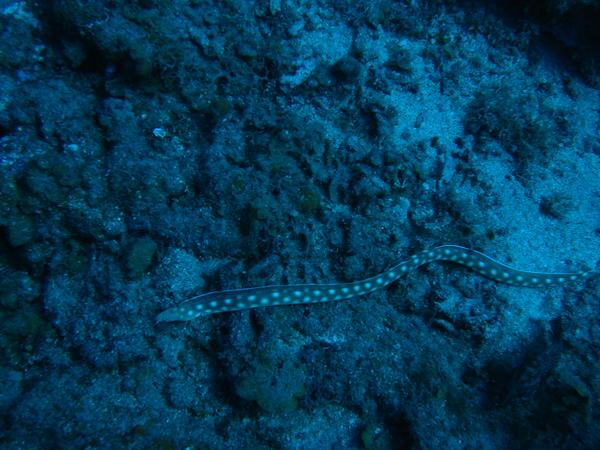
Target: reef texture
(154, 150)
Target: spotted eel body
(239, 299)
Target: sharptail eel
(293, 294)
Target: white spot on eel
(220, 301)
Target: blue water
(151, 151)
